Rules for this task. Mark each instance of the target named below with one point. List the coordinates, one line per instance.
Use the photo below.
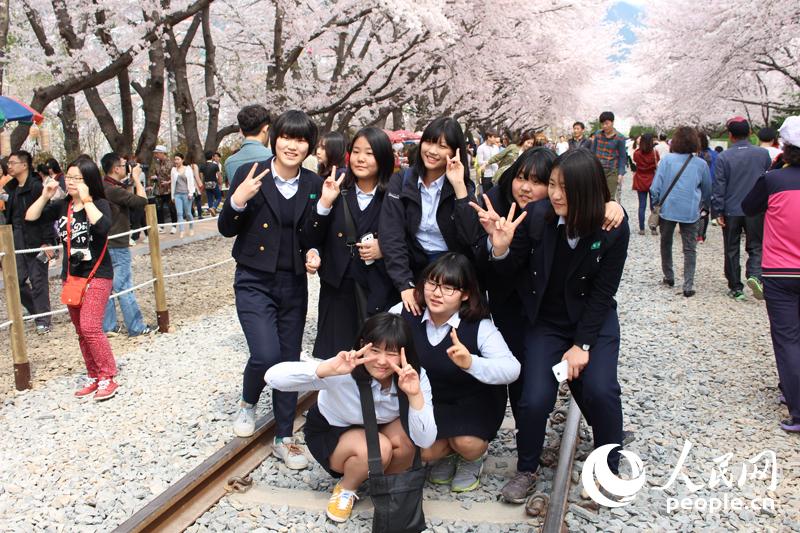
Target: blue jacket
(692, 188)
(735, 173)
(250, 152)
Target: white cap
(790, 131)
(160, 148)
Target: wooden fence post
(162, 313)
(22, 368)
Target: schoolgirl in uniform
(330, 154)
(427, 211)
(265, 210)
(334, 431)
(570, 268)
(353, 279)
(468, 364)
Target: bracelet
(90, 200)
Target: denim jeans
(214, 197)
(183, 205)
(123, 279)
(689, 239)
(643, 196)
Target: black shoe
(668, 282)
(689, 294)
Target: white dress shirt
(429, 236)
(338, 400)
(484, 153)
(496, 364)
(287, 187)
(363, 198)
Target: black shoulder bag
(352, 239)
(397, 498)
(655, 214)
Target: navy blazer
(329, 234)
(593, 275)
(257, 228)
(400, 219)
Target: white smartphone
(369, 237)
(560, 371)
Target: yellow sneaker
(340, 506)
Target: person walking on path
(609, 147)
(682, 205)
(182, 189)
(578, 139)
(646, 159)
(735, 173)
(487, 150)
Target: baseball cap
(160, 148)
(790, 131)
(737, 118)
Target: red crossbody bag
(75, 287)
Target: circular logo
(596, 472)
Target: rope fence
(14, 306)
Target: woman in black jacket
(427, 210)
(353, 279)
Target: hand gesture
(83, 190)
(577, 359)
(313, 261)
(369, 251)
(407, 377)
(330, 189)
(249, 186)
(50, 187)
(455, 175)
(410, 301)
(487, 217)
(614, 216)
(458, 353)
(345, 362)
(504, 231)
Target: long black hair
(450, 129)
(381, 151)
(91, 176)
(457, 271)
(334, 144)
(586, 189)
(390, 332)
(533, 165)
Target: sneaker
(653, 231)
(737, 295)
(146, 239)
(668, 282)
(131, 243)
(443, 470)
(191, 233)
(689, 293)
(41, 329)
(756, 286)
(641, 232)
(468, 475)
(106, 388)
(519, 487)
(146, 331)
(89, 386)
(292, 455)
(173, 230)
(116, 332)
(792, 426)
(161, 230)
(245, 423)
(701, 239)
(340, 505)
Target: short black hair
(739, 130)
(579, 123)
(23, 156)
(52, 164)
(91, 176)
(108, 161)
(719, 149)
(390, 332)
(381, 151)
(450, 129)
(252, 118)
(586, 189)
(766, 135)
(334, 143)
(662, 136)
(606, 115)
(791, 155)
(455, 270)
(208, 154)
(179, 154)
(534, 165)
(296, 125)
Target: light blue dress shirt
(429, 236)
(363, 198)
(250, 152)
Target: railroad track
(227, 471)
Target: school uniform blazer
(329, 234)
(593, 276)
(257, 228)
(401, 215)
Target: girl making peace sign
(334, 426)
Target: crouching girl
(334, 426)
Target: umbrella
(12, 110)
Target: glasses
(73, 178)
(14, 162)
(444, 290)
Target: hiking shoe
(245, 423)
(653, 231)
(443, 470)
(340, 505)
(41, 329)
(519, 487)
(668, 282)
(106, 388)
(116, 332)
(467, 476)
(756, 286)
(792, 426)
(89, 386)
(293, 456)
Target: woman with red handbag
(84, 219)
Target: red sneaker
(106, 388)
(90, 385)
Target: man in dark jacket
(24, 189)
(115, 185)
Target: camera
(127, 182)
(77, 255)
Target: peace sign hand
(345, 362)
(330, 189)
(249, 186)
(407, 377)
(504, 231)
(487, 217)
(455, 175)
(458, 353)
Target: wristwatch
(584, 347)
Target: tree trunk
(152, 96)
(69, 123)
(4, 19)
